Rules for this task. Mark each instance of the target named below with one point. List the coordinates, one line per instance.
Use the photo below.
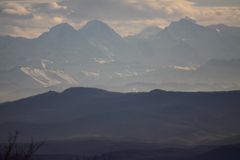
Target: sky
(30, 18)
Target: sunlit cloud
(58, 19)
(56, 5)
(14, 9)
(127, 17)
(30, 1)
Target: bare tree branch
(14, 151)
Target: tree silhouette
(13, 151)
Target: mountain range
(155, 116)
(184, 56)
(99, 124)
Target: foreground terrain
(139, 125)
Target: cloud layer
(29, 18)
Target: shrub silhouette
(13, 151)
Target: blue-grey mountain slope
(174, 58)
(157, 116)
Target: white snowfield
(47, 77)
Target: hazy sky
(30, 18)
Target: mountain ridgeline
(184, 56)
(157, 116)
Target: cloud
(29, 1)
(14, 9)
(216, 3)
(125, 16)
(30, 19)
(58, 19)
(49, 6)
(131, 27)
(56, 5)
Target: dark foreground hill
(155, 116)
(229, 152)
(109, 150)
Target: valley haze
(184, 56)
(119, 80)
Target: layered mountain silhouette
(155, 116)
(95, 55)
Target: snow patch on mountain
(47, 77)
(100, 60)
(127, 73)
(40, 76)
(43, 63)
(184, 68)
(64, 76)
(218, 30)
(107, 51)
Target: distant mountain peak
(97, 29)
(62, 27)
(96, 22)
(183, 22)
(96, 25)
(185, 27)
(156, 91)
(83, 90)
(188, 20)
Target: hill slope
(158, 115)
